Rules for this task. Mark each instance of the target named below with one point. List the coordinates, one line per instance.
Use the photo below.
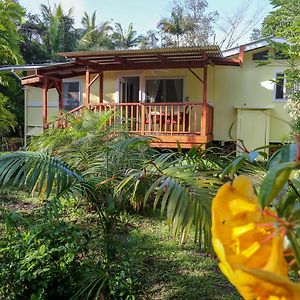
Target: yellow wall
(249, 86)
(229, 88)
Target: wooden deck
(190, 124)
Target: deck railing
(161, 118)
(182, 118)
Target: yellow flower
(246, 243)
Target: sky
(144, 14)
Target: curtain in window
(179, 90)
(152, 89)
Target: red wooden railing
(162, 118)
(154, 118)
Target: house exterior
(189, 95)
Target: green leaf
(274, 182)
(234, 166)
(286, 154)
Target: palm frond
(182, 193)
(37, 171)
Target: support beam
(87, 88)
(45, 102)
(59, 88)
(94, 79)
(241, 54)
(204, 110)
(198, 77)
(101, 92)
(204, 100)
(88, 63)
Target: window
(164, 90)
(280, 86)
(71, 95)
(262, 55)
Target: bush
(38, 261)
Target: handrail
(76, 109)
(150, 104)
(173, 118)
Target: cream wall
(229, 88)
(249, 86)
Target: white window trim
(284, 87)
(165, 78)
(80, 88)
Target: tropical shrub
(38, 260)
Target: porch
(153, 115)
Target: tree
(237, 24)
(188, 25)
(32, 31)
(7, 119)
(11, 14)
(175, 25)
(94, 37)
(256, 34)
(281, 20)
(150, 40)
(60, 34)
(284, 22)
(125, 39)
(200, 22)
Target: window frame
(79, 81)
(284, 99)
(259, 52)
(166, 78)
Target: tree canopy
(281, 20)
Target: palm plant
(183, 185)
(91, 179)
(176, 25)
(60, 34)
(94, 37)
(125, 39)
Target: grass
(169, 271)
(164, 269)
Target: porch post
(45, 102)
(204, 128)
(87, 88)
(204, 101)
(101, 93)
(60, 102)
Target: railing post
(204, 120)
(143, 119)
(87, 88)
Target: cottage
(190, 95)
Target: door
(253, 128)
(129, 89)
